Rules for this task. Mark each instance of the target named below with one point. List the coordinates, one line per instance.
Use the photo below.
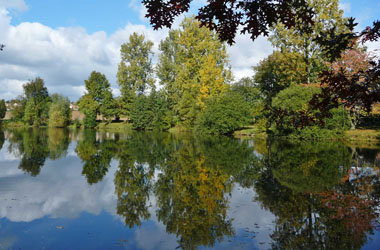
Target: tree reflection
(34, 146)
(96, 156)
(191, 196)
(58, 142)
(310, 190)
(133, 179)
(190, 180)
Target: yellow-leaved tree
(193, 67)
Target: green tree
(109, 108)
(99, 89)
(193, 67)
(18, 108)
(97, 100)
(135, 72)
(150, 112)
(327, 16)
(3, 109)
(37, 102)
(36, 89)
(59, 112)
(30, 115)
(224, 115)
(89, 108)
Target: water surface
(63, 189)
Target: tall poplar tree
(193, 67)
(135, 72)
(327, 16)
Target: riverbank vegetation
(195, 88)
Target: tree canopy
(227, 17)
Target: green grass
(250, 131)
(115, 126)
(362, 135)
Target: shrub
(293, 103)
(224, 115)
(59, 112)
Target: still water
(63, 189)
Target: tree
(193, 67)
(88, 107)
(30, 115)
(36, 89)
(99, 89)
(59, 112)
(327, 15)
(109, 108)
(227, 17)
(18, 108)
(37, 102)
(257, 17)
(135, 72)
(150, 112)
(3, 109)
(273, 74)
(97, 100)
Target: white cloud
(64, 57)
(373, 47)
(19, 5)
(244, 54)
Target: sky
(63, 41)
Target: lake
(80, 189)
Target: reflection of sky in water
(33, 210)
(58, 209)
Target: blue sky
(93, 15)
(62, 41)
(101, 15)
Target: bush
(293, 103)
(224, 115)
(59, 112)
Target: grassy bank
(250, 131)
(117, 126)
(361, 135)
(367, 135)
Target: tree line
(196, 89)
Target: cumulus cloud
(244, 54)
(64, 57)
